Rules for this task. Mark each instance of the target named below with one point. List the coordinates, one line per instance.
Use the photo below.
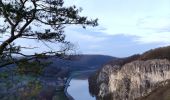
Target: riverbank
(66, 87)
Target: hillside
(52, 79)
(81, 62)
(157, 53)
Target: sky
(126, 27)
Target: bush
(32, 67)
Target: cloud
(125, 27)
(155, 23)
(131, 18)
(145, 30)
(163, 37)
(122, 39)
(88, 40)
(153, 29)
(79, 34)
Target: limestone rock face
(132, 80)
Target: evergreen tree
(19, 18)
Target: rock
(132, 80)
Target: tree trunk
(6, 43)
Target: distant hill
(61, 67)
(122, 61)
(81, 62)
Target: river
(79, 88)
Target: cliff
(161, 92)
(132, 80)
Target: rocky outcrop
(132, 80)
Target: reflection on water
(79, 89)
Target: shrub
(32, 67)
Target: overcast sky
(126, 26)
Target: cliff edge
(132, 80)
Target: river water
(79, 89)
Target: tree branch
(5, 13)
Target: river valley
(79, 89)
